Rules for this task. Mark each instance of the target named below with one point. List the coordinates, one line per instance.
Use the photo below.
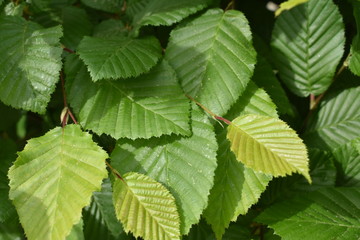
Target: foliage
(215, 119)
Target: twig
(67, 49)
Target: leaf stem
(66, 111)
(67, 49)
(213, 115)
(114, 171)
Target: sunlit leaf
(288, 5)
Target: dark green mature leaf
(308, 43)
(347, 161)
(356, 144)
(330, 213)
(11, 230)
(30, 63)
(200, 231)
(184, 165)
(119, 57)
(110, 28)
(113, 6)
(268, 145)
(53, 179)
(156, 100)
(213, 57)
(354, 61)
(76, 232)
(337, 122)
(7, 156)
(146, 208)
(162, 12)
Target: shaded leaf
(110, 28)
(308, 43)
(76, 232)
(110, 106)
(113, 6)
(354, 60)
(330, 213)
(219, 47)
(119, 57)
(30, 66)
(53, 179)
(140, 199)
(269, 145)
(11, 230)
(184, 165)
(200, 231)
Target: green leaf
(337, 122)
(269, 145)
(184, 165)
(146, 208)
(53, 179)
(308, 43)
(200, 231)
(11, 230)
(330, 213)
(264, 77)
(112, 6)
(119, 57)
(76, 232)
(219, 47)
(110, 28)
(356, 144)
(347, 161)
(12, 9)
(110, 106)
(30, 66)
(287, 5)
(162, 12)
(7, 156)
(236, 188)
(354, 60)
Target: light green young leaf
(146, 208)
(112, 6)
(330, 213)
(268, 145)
(162, 12)
(354, 60)
(337, 122)
(110, 106)
(287, 5)
(53, 179)
(185, 166)
(218, 46)
(30, 63)
(308, 43)
(119, 57)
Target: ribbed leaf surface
(269, 145)
(288, 5)
(308, 43)
(218, 46)
(146, 208)
(30, 63)
(53, 179)
(184, 165)
(156, 100)
(331, 213)
(337, 122)
(162, 12)
(119, 57)
(354, 61)
(113, 6)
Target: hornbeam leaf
(268, 145)
(53, 179)
(30, 63)
(119, 57)
(146, 208)
(185, 166)
(287, 5)
(354, 60)
(308, 43)
(330, 213)
(113, 6)
(156, 99)
(218, 46)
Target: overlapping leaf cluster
(148, 81)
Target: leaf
(347, 162)
(162, 12)
(287, 5)
(12, 9)
(76, 232)
(219, 47)
(53, 179)
(308, 43)
(109, 106)
(354, 60)
(200, 231)
(146, 208)
(184, 165)
(11, 230)
(356, 144)
(268, 145)
(112, 6)
(330, 213)
(110, 28)
(30, 66)
(7, 156)
(337, 122)
(119, 57)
